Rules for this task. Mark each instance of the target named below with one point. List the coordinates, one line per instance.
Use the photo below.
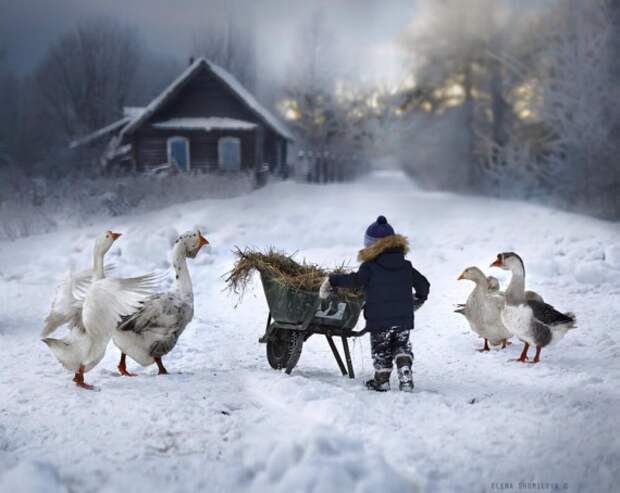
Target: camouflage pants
(387, 345)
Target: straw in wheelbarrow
(280, 267)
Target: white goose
(92, 308)
(483, 308)
(533, 322)
(154, 329)
(66, 307)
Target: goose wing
(533, 296)
(109, 299)
(165, 311)
(67, 304)
(80, 284)
(547, 315)
(497, 300)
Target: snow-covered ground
(224, 421)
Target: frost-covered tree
(580, 105)
(458, 78)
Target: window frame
(222, 141)
(185, 140)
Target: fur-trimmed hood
(399, 242)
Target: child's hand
(417, 303)
(326, 289)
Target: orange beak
(497, 263)
(202, 241)
(114, 235)
(461, 277)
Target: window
(229, 153)
(178, 153)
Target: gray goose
(153, 330)
(534, 322)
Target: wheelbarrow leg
(266, 335)
(295, 354)
(336, 354)
(347, 355)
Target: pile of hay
(280, 267)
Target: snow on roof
(210, 123)
(132, 111)
(250, 100)
(223, 75)
(99, 133)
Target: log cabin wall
(152, 147)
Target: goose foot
(537, 355)
(523, 358)
(122, 367)
(85, 385)
(79, 380)
(485, 348)
(162, 368)
(505, 343)
(125, 373)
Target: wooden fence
(328, 166)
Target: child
(387, 280)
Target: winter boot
(381, 382)
(405, 376)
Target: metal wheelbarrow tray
(295, 315)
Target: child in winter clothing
(387, 280)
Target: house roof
(135, 117)
(132, 111)
(102, 132)
(248, 99)
(208, 123)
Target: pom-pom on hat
(377, 230)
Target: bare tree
(310, 89)
(87, 75)
(6, 97)
(229, 40)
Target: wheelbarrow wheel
(281, 347)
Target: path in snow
(228, 422)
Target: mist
(492, 97)
(309, 246)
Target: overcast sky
(167, 26)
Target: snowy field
(224, 421)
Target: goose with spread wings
(92, 308)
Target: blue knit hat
(377, 230)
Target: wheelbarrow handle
(358, 333)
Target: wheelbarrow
(295, 315)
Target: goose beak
(115, 236)
(202, 241)
(497, 263)
(461, 277)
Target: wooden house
(204, 121)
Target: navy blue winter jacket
(387, 280)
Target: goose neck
(98, 272)
(515, 292)
(181, 272)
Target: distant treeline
(497, 99)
